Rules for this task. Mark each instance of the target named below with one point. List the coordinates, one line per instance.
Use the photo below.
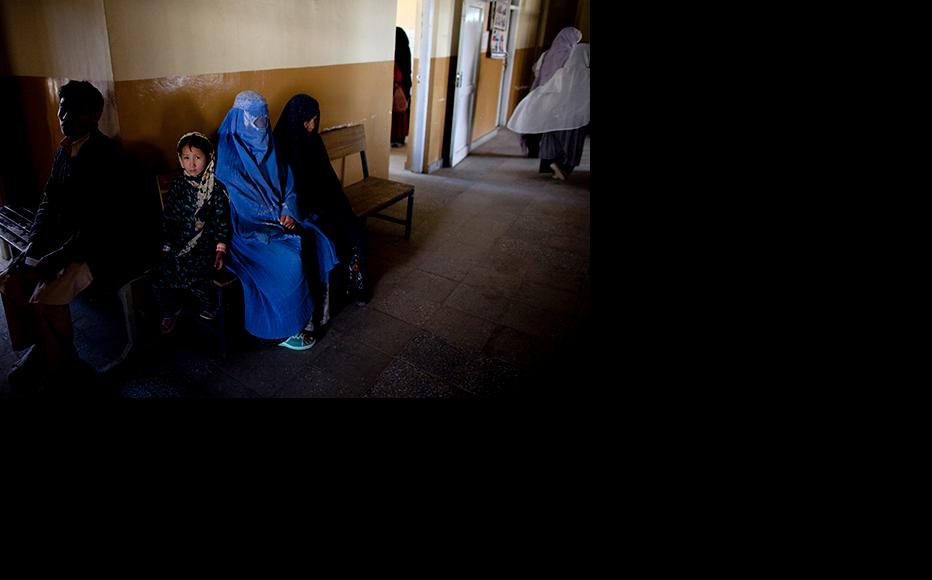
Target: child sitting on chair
(195, 232)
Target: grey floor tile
(379, 330)
(265, 369)
(452, 259)
(486, 377)
(462, 330)
(555, 277)
(576, 245)
(504, 281)
(351, 367)
(482, 231)
(531, 320)
(314, 382)
(402, 380)
(483, 302)
(426, 286)
(530, 252)
(406, 305)
(519, 349)
(434, 355)
(488, 296)
(555, 300)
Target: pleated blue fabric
(264, 255)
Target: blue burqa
(264, 255)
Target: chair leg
(125, 294)
(410, 214)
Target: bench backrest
(164, 181)
(339, 141)
(346, 140)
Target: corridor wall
(174, 66)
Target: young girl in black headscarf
(320, 192)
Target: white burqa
(561, 103)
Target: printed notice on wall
(498, 27)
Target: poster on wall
(499, 20)
(498, 27)
(497, 47)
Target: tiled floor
(489, 298)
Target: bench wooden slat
(343, 141)
(15, 224)
(372, 194)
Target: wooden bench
(15, 224)
(14, 229)
(373, 194)
(224, 280)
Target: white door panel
(465, 93)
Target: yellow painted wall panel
(528, 18)
(156, 112)
(523, 77)
(488, 86)
(440, 73)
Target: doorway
(467, 65)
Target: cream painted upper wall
(56, 38)
(528, 19)
(150, 39)
(443, 28)
(406, 16)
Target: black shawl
(403, 60)
(319, 189)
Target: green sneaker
(300, 341)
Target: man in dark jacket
(92, 226)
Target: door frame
(504, 94)
(425, 27)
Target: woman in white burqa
(557, 108)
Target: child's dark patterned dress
(192, 272)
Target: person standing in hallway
(267, 252)
(402, 78)
(93, 226)
(320, 192)
(556, 111)
(548, 63)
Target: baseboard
(478, 142)
(438, 164)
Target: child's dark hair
(195, 141)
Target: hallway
(489, 298)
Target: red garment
(399, 120)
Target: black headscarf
(319, 189)
(403, 60)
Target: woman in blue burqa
(269, 229)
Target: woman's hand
(218, 261)
(287, 222)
